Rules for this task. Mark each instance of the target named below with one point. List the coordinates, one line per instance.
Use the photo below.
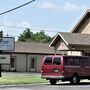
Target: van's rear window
(48, 60)
(57, 61)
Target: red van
(65, 68)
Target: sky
(52, 16)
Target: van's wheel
(75, 79)
(52, 81)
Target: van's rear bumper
(52, 77)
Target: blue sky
(52, 15)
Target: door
(47, 65)
(33, 64)
(13, 64)
(52, 65)
(57, 65)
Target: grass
(21, 80)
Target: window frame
(50, 63)
(56, 63)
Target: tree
(28, 36)
(1, 33)
(25, 35)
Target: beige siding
(85, 29)
(76, 53)
(20, 62)
(38, 62)
(23, 62)
(61, 45)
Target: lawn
(7, 80)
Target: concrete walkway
(19, 74)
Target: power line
(29, 28)
(9, 26)
(17, 7)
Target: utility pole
(1, 35)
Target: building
(28, 57)
(77, 42)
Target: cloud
(73, 7)
(48, 5)
(13, 28)
(9, 29)
(23, 24)
(68, 7)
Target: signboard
(7, 43)
(4, 59)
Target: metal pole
(0, 65)
(1, 35)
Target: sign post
(0, 65)
(6, 44)
(1, 35)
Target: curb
(17, 85)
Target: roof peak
(83, 18)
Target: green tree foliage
(28, 36)
(1, 33)
(25, 35)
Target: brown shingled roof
(39, 48)
(72, 39)
(76, 38)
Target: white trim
(53, 39)
(63, 39)
(80, 20)
(58, 34)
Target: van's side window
(84, 61)
(48, 60)
(89, 61)
(57, 61)
(66, 60)
(72, 61)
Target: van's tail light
(41, 71)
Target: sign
(7, 43)
(4, 59)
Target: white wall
(76, 53)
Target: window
(12, 62)
(32, 63)
(57, 61)
(65, 60)
(76, 61)
(89, 61)
(84, 61)
(72, 61)
(48, 60)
